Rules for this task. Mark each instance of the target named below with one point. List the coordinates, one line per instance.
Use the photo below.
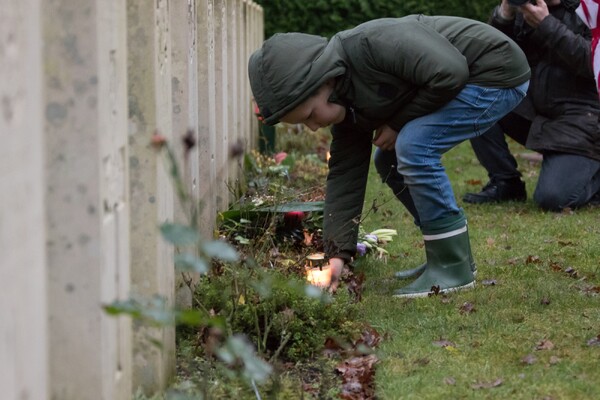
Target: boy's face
(316, 111)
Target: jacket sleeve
(506, 26)
(417, 54)
(568, 50)
(345, 193)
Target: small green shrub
(273, 310)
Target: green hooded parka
(387, 71)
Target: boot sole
(442, 291)
(405, 278)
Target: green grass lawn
(537, 287)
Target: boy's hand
(336, 265)
(385, 138)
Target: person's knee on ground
(555, 198)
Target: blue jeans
(418, 171)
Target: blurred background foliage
(326, 17)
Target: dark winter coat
(562, 101)
(388, 71)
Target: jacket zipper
(353, 114)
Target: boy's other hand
(385, 138)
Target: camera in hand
(520, 2)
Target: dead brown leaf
(489, 282)
(422, 361)
(358, 377)
(594, 341)
(467, 308)
(487, 385)
(529, 359)
(512, 261)
(544, 344)
(473, 182)
(565, 243)
(591, 290)
(545, 301)
(308, 237)
(434, 291)
(533, 260)
(370, 337)
(443, 343)
(556, 267)
(355, 284)
(449, 380)
(572, 272)
(368, 340)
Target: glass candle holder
(316, 273)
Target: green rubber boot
(416, 271)
(449, 259)
(410, 273)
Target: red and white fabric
(588, 12)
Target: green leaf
(190, 262)
(192, 318)
(242, 240)
(128, 307)
(289, 161)
(308, 206)
(238, 348)
(179, 235)
(220, 250)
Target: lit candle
(319, 276)
(316, 274)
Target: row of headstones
(84, 86)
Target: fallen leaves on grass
(590, 290)
(358, 370)
(529, 359)
(473, 182)
(358, 377)
(449, 381)
(572, 272)
(434, 291)
(544, 345)
(554, 360)
(533, 260)
(355, 284)
(565, 243)
(446, 345)
(467, 308)
(443, 343)
(368, 340)
(594, 341)
(545, 301)
(489, 282)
